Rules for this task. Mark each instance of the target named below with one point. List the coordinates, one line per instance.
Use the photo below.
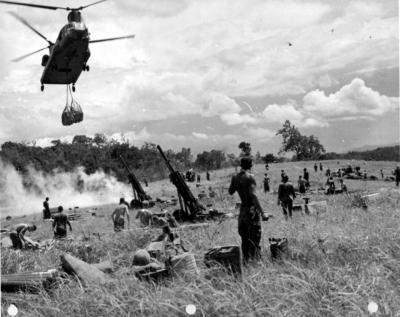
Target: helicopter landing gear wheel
(86, 68)
(73, 87)
(41, 87)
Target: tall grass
(337, 263)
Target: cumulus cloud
(293, 113)
(236, 118)
(280, 113)
(200, 135)
(354, 99)
(260, 133)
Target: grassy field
(339, 260)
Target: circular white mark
(12, 310)
(190, 309)
(372, 307)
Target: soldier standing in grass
(306, 176)
(320, 167)
(46, 210)
(118, 216)
(302, 185)
(266, 183)
(397, 175)
(315, 167)
(286, 195)
(60, 224)
(282, 175)
(328, 172)
(250, 210)
(343, 186)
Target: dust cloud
(22, 195)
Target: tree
(245, 147)
(269, 158)
(210, 160)
(258, 158)
(81, 139)
(304, 147)
(99, 139)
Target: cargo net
(72, 112)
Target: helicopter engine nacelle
(45, 59)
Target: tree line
(98, 153)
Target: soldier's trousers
(16, 240)
(287, 207)
(119, 224)
(250, 232)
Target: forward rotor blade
(26, 23)
(91, 4)
(27, 55)
(33, 5)
(113, 39)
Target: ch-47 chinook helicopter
(69, 55)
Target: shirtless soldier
(60, 223)
(17, 235)
(286, 195)
(250, 210)
(118, 216)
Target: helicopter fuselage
(68, 56)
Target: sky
(209, 74)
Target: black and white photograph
(199, 158)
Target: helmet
(141, 257)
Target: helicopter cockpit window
(74, 16)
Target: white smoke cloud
(26, 195)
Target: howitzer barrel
(136, 186)
(165, 159)
(183, 189)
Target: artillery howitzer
(138, 191)
(190, 207)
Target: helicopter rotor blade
(26, 23)
(33, 5)
(113, 39)
(29, 54)
(91, 4)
